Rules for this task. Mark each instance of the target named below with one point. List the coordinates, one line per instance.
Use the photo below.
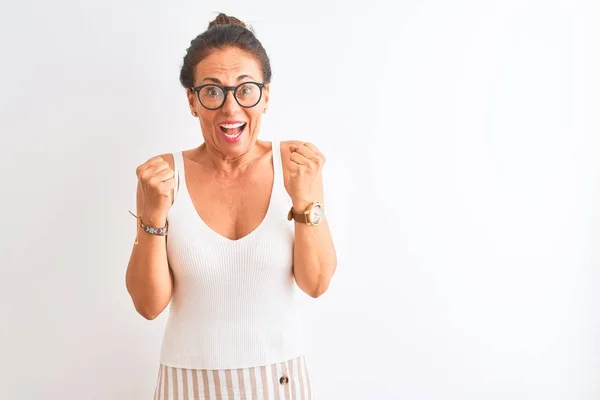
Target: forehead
(226, 65)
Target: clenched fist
(156, 182)
(305, 183)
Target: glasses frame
(227, 89)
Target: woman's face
(231, 129)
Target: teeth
(232, 126)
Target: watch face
(316, 214)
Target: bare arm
(149, 279)
(315, 259)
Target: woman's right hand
(156, 182)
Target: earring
(194, 113)
(265, 110)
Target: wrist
(310, 213)
(154, 220)
(301, 205)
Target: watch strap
(298, 217)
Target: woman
(228, 232)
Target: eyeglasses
(212, 97)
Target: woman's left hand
(305, 184)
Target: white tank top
(234, 303)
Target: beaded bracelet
(150, 229)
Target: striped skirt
(288, 380)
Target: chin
(237, 144)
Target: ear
(191, 95)
(266, 91)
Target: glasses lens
(248, 94)
(211, 96)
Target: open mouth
(232, 131)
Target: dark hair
(224, 31)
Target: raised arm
(315, 259)
(149, 279)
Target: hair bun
(223, 19)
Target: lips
(233, 130)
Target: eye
(211, 91)
(246, 90)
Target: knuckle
(152, 182)
(139, 171)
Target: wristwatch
(313, 215)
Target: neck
(226, 164)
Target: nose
(230, 106)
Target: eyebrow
(215, 80)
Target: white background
(463, 189)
